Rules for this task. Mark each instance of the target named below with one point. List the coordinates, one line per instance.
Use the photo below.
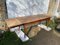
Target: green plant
(52, 23)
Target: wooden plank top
(23, 20)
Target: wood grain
(25, 20)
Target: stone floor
(45, 38)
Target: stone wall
(19, 8)
(53, 7)
(59, 7)
(3, 14)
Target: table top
(24, 20)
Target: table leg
(27, 26)
(47, 22)
(25, 29)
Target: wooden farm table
(27, 20)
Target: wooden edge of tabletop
(14, 21)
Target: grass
(10, 38)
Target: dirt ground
(45, 38)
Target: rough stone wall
(59, 7)
(53, 7)
(19, 8)
(3, 15)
